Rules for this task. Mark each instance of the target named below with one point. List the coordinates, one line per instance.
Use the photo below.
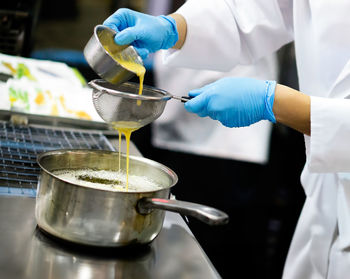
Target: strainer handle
(183, 99)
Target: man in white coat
(188, 144)
(174, 129)
(229, 32)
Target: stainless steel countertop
(26, 252)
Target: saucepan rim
(153, 163)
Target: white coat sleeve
(224, 33)
(329, 149)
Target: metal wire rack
(19, 146)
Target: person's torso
(322, 46)
(179, 130)
(322, 52)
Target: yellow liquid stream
(127, 127)
(136, 68)
(131, 66)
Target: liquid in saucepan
(108, 180)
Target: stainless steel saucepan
(97, 217)
(102, 62)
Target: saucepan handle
(206, 214)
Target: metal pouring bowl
(102, 62)
(122, 103)
(99, 217)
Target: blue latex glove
(145, 32)
(235, 102)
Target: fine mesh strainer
(121, 106)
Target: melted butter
(136, 68)
(130, 65)
(126, 128)
(110, 180)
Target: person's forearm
(292, 108)
(181, 29)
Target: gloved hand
(145, 32)
(235, 102)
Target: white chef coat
(178, 130)
(224, 33)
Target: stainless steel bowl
(98, 217)
(102, 62)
